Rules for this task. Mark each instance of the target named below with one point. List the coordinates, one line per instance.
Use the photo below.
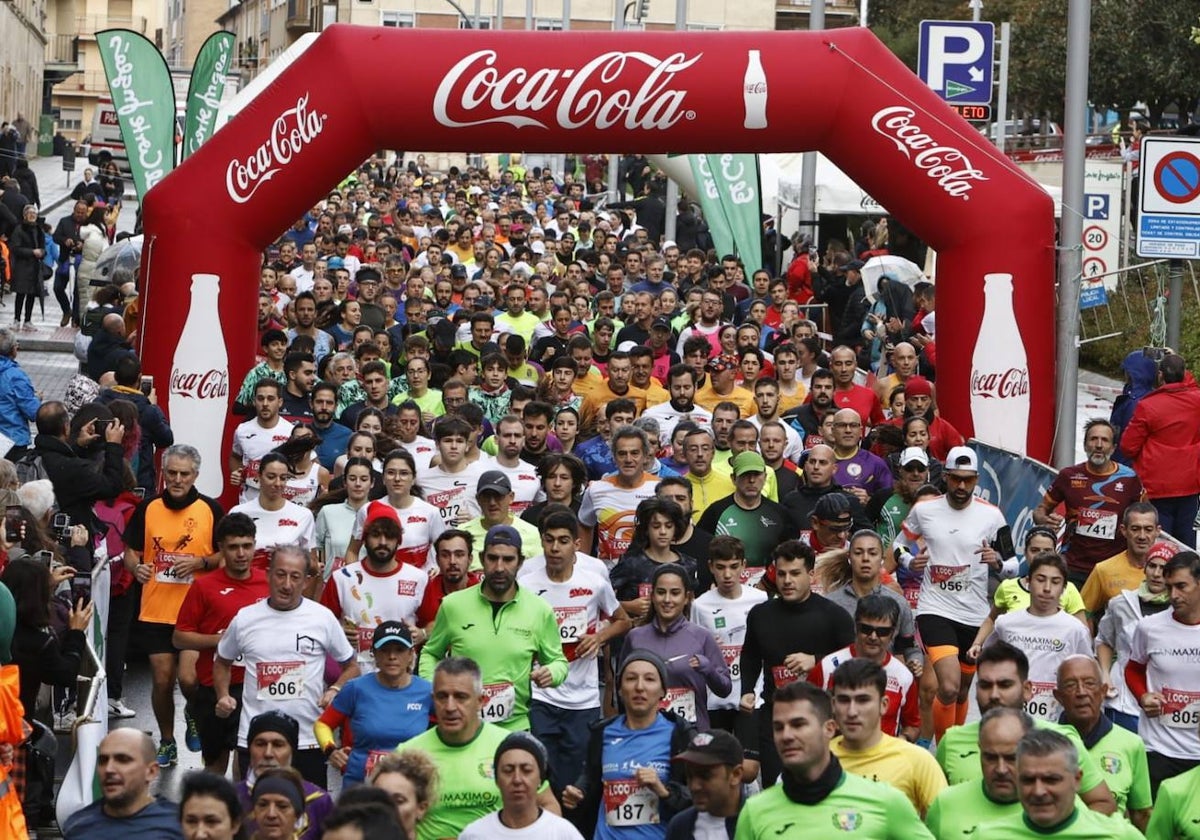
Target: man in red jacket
(1163, 443)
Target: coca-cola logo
(755, 88)
(292, 131)
(1013, 382)
(946, 164)
(201, 385)
(609, 90)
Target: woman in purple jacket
(694, 661)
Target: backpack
(30, 467)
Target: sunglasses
(838, 527)
(875, 630)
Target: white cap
(962, 459)
(626, 346)
(914, 453)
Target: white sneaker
(64, 722)
(117, 709)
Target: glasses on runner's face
(875, 630)
(839, 527)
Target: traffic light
(643, 9)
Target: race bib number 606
(280, 680)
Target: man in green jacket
(505, 629)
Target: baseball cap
(962, 459)
(918, 386)
(494, 481)
(661, 323)
(914, 454)
(378, 510)
(502, 535)
(833, 507)
(722, 363)
(458, 270)
(391, 631)
(854, 265)
(745, 462)
(712, 748)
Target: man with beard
(301, 372)
(767, 397)
(772, 443)
(334, 436)
(453, 551)
(126, 808)
(1095, 494)
(721, 387)
(379, 588)
(681, 384)
(1121, 754)
(959, 808)
(747, 514)
(950, 539)
(504, 628)
(305, 309)
(806, 419)
(1003, 680)
(818, 469)
(714, 772)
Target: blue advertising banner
(1013, 483)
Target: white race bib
(1043, 705)
(1100, 524)
(164, 569)
(949, 578)
(627, 803)
(572, 624)
(733, 660)
(280, 680)
(681, 701)
(1181, 709)
(499, 699)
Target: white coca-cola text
(1013, 382)
(602, 93)
(755, 88)
(292, 131)
(201, 385)
(947, 165)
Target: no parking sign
(1169, 220)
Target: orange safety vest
(12, 731)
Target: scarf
(1144, 593)
(810, 793)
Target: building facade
(22, 59)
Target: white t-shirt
(1047, 641)
(579, 605)
(290, 525)
(725, 619)
(955, 581)
(369, 599)
(420, 524)
(284, 656)
(1170, 650)
(453, 494)
(668, 418)
(422, 449)
(547, 827)
(709, 827)
(251, 442)
(609, 508)
(303, 489)
(527, 487)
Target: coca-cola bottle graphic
(1000, 371)
(198, 399)
(754, 91)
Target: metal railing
(88, 25)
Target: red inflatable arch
(841, 92)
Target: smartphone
(147, 385)
(61, 520)
(100, 427)
(45, 557)
(14, 518)
(1003, 543)
(140, 492)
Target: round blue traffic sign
(1177, 177)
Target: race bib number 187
(627, 803)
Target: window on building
(548, 24)
(401, 20)
(70, 119)
(484, 23)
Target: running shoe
(118, 709)
(168, 754)
(191, 735)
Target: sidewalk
(54, 186)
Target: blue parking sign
(955, 59)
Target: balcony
(62, 50)
(88, 25)
(298, 17)
(87, 83)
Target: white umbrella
(898, 268)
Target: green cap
(745, 462)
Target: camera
(1155, 354)
(100, 427)
(61, 527)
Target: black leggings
(28, 301)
